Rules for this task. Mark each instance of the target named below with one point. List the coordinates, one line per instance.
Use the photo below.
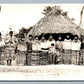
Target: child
(52, 54)
(58, 56)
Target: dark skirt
(2, 55)
(59, 58)
(35, 58)
(43, 58)
(10, 52)
(75, 57)
(82, 57)
(21, 58)
(28, 57)
(67, 57)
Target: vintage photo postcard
(41, 42)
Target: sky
(16, 16)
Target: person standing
(2, 44)
(43, 51)
(35, 59)
(10, 44)
(29, 43)
(76, 45)
(52, 54)
(59, 47)
(21, 51)
(67, 47)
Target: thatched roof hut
(53, 23)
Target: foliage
(23, 31)
(48, 10)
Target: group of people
(52, 47)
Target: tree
(47, 10)
(23, 31)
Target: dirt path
(50, 72)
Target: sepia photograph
(41, 42)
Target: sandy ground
(49, 72)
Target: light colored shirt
(2, 43)
(59, 44)
(22, 47)
(43, 45)
(76, 45)
(36, 45)
(50, 42)
(52, 50)
(13, 40)
(67, 44)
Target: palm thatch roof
(54, 23)
(81, 31)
